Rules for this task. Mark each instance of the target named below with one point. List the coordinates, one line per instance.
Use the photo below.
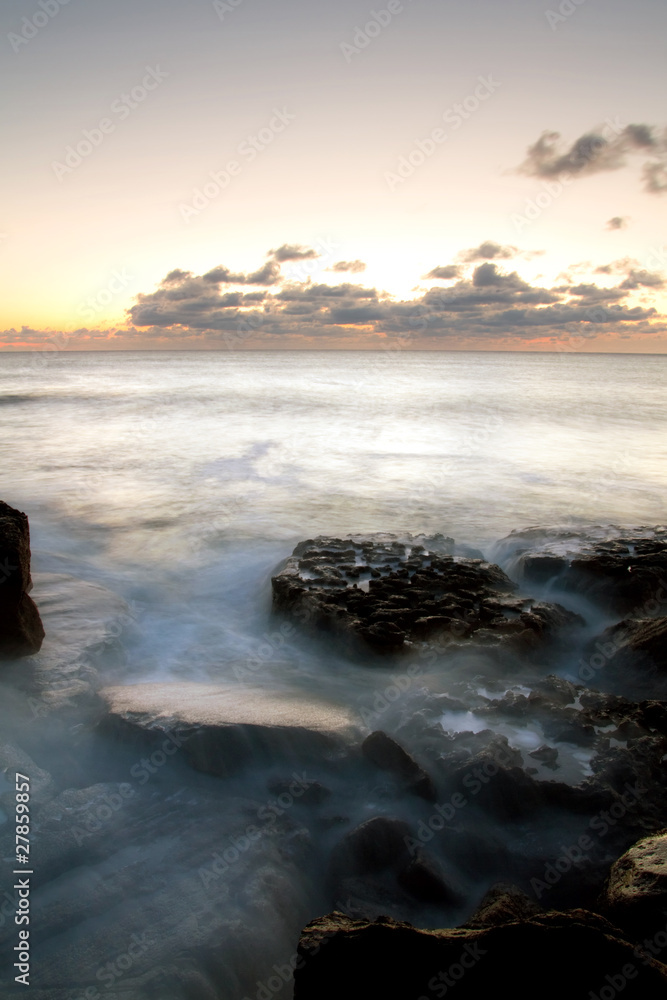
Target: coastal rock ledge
(21, 629)
(503, 950)
(389, 594)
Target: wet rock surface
(390, 594)
(624, 571)
(221, 732)
(21, 629)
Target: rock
(373, 845)
(635, 896)
(356, 959)
(387, 594)
(503, 904)
(424, 879)
(622, 571)
(222, 729)
(387, 754)
(21, 629)
(635, 649)
(547, 755)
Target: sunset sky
(427, 174)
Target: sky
(418, 174)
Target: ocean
(164, 489)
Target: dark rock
(375, 844)
(388, 594)
(424, 879)
(387, 754)
(548, 755)
(636, 648)
(552, 955)
(503, 904)
(624, 572)
(21, 629)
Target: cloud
(445, 273)
(487, 251)
(350, 266)
(484, 305)
(489, 305)
(618, 222)
(292, 251)
(635, 275)
(596, 151)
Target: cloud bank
(484, 304)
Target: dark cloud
(292, 251)
(617, 222)
(606, 148)
(635, 275)
(655, 177)
(488, 251)
(642, 279)
(445, 273)
(349, 266)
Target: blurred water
(174, 453)
(178, 481)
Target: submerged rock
(21, 629)
(387, 754)
(222, 728)
(389, 594)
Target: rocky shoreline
(500, 779)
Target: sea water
(176, 482)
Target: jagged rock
(21, 629)
(389, 594)
(219, 732)
(635, 896)
(389, 755)
(502, 904)
(355, 959)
